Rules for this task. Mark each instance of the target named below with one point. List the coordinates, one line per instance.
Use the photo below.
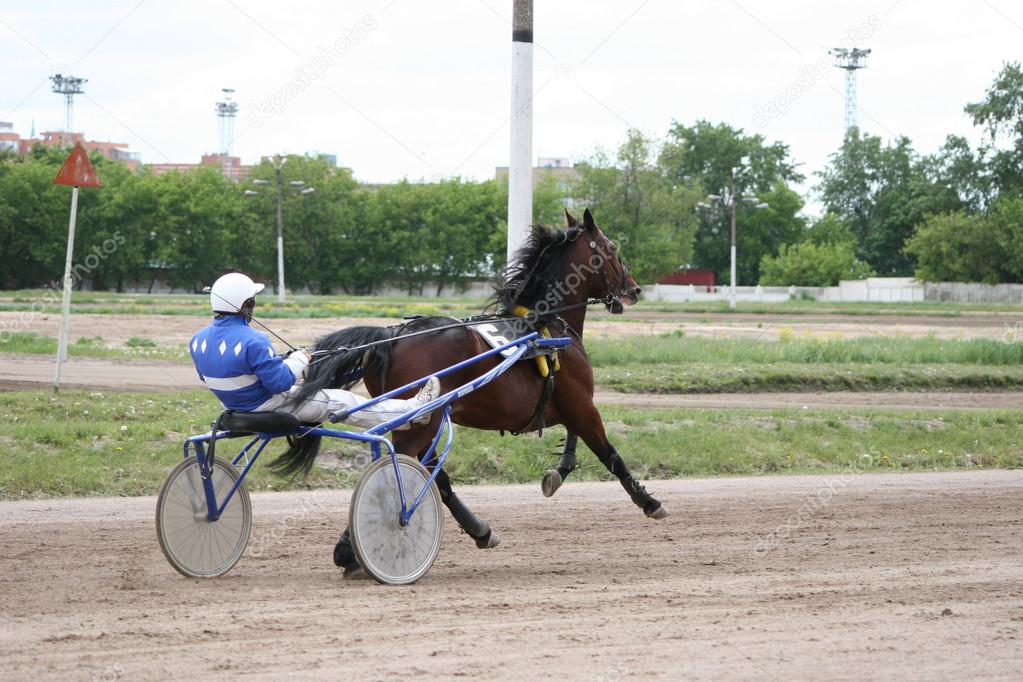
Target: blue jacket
(238, 363)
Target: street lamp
(729, 200)
(278, 163)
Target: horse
(553, 276)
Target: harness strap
(536, 422)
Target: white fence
(973, 293)
(874, 289)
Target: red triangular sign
(78, 170)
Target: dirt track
(915, 576)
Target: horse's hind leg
(478, 529)
(591, 428)
(553, 479)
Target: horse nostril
(638, 291)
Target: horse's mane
(535, 268)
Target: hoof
(659, 513)
(354, 572)
(488, 541)
(551, 482)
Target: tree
(812, 265)
(703, 155)
(437, 233)
(1000, 113)
(882, 191)
(318, 226)
(636, 204)
(957, 247)
(830, 229)
(33, 219)
(198, 212)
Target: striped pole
(520, 165)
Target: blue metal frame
(374, 437)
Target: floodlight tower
(850, 60)
(69, 86)
(226, 112)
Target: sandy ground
(175, 330)
(19, 371)
(913, 576)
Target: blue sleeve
(195, 358)
(275, 376)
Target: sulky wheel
(394, 554)
(194, 545)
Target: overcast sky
(421, 89)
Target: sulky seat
(258, 422)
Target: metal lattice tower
(850, 60)
(226, 111)
(69, 86)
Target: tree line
(955, 215)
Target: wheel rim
(392, 553)
(195, 546)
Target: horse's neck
(575, 319)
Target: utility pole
(280, 233)
(520, 163)
(280, 186)
(729, 200)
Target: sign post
(76, 172)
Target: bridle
(612, 300)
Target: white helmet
(232, 290)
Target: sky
(421, 89)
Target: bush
(812, 265)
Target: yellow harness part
(542, 362)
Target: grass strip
(788, 377)
(81, 443)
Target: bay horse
(553, 276)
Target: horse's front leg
(553, 479)
(590, 427)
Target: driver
(240, 366)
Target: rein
(480, 319)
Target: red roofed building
(700, 277)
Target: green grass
(805, 307)
(135, 348)
(782, 377)
(678, 349)
(677, 364)
(91, 443)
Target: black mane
(535, 268)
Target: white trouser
(317, 409)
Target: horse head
(614, 283)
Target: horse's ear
(588, 221)
(570, 219)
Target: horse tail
(297, 460)
(343, 369)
